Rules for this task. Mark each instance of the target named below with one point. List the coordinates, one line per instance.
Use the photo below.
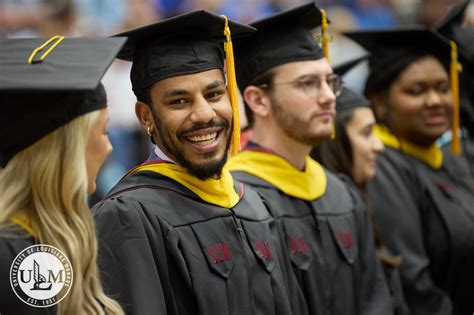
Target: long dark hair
(336, 156)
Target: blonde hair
(47, 182)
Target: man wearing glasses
(290, 92)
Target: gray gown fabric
(427, 217)
(165, 251)
(466, 159)
(10, 304)
(394, 283)
(330, 244)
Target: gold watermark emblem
(41, 275)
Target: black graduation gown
(427, 217)
(10, 304)
(165, 251)
(330, 244)
(465, 161)
(394, 283)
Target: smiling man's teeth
(203, 138)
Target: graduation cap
(45, 84)
(344, 67)
(185, 44)
(464, 37)
(392, 50)
(281, 38)
(348, 99)
(451, 27)
(453, 17)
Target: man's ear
(379, 106)
(144, 115)
(257, 100)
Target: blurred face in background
(419, 102)
(366, 147)
(98, 147)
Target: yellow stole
(219, 192)
(22, 220)
(309, 184)
(432, 155)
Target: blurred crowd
(20, 18)
(43, 18)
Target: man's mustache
(212, 124)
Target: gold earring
(149, 131)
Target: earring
(149, 131)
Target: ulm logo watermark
(41, 275)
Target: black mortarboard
(453, 17)
(41, 96)
(344, 67)
(348, 99)
(282, 38)
(451, 27)
(392, 50)
(464, 37)
(185, 44)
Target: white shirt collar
(162, 155)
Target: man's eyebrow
(312, 76)
(215, 84)
(181, 92)
(175, 92)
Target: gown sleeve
(131, 256)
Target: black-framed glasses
(312, 85)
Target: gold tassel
(232, 88)
(454, 80)
(325, 44)
(324, 34)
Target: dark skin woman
(422, 204)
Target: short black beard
(292, 126)
(203, 171)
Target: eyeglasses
(312, 86)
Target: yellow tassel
(57, 38)
(324, 34)
(454, 80)
(232, 87)
(325, 45)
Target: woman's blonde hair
(47, 182)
